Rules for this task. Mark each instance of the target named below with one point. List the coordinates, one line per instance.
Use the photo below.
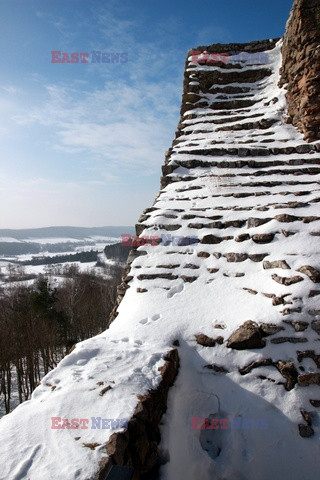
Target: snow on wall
(247, 186)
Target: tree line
(83, 257)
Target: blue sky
(83, 144)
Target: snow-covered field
(94, 243)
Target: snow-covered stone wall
(218, 328)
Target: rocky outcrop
(300, 68)
(285, 368)
(311, 272)
(247, 336)
(204, 340)
(309, 379)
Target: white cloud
(114, 123)
(126, 126)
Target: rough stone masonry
(301, 67)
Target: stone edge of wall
(300, 71)
(137, 446)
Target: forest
(40, 323)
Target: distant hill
(73, 232)
(56, 239)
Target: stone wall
(301, 67)
(137, 446)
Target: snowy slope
(178, 292)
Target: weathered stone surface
(288, 311)
(213, 270)
(204, 340)
(259, 363)
(286, 280)
(236, 257)
(255, 222)
(263, 237)
(203, 254)
(153, 276)
(170, 267)
(207, 79)
(211, 240)
(309, 354)
(134, 253)
(300, 67)
(289, 340)
(278, 301)
(136, 446)
(310, 219)
(242, 237)
(311, 272)
(257, 257)
(217, 368)
(188, 279)
(315, 325)
(299, 326)
(287, 233)
(314, 293)
(268, 295)
(105, 390)
(276, 264)
(286, 218)
(219, 340)
(306, 416)
(249, 290)
(219, 325)
(285, 368)
(92, 445)
(289, 372)
(269, 329)
(247, 336)
(309, 379)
